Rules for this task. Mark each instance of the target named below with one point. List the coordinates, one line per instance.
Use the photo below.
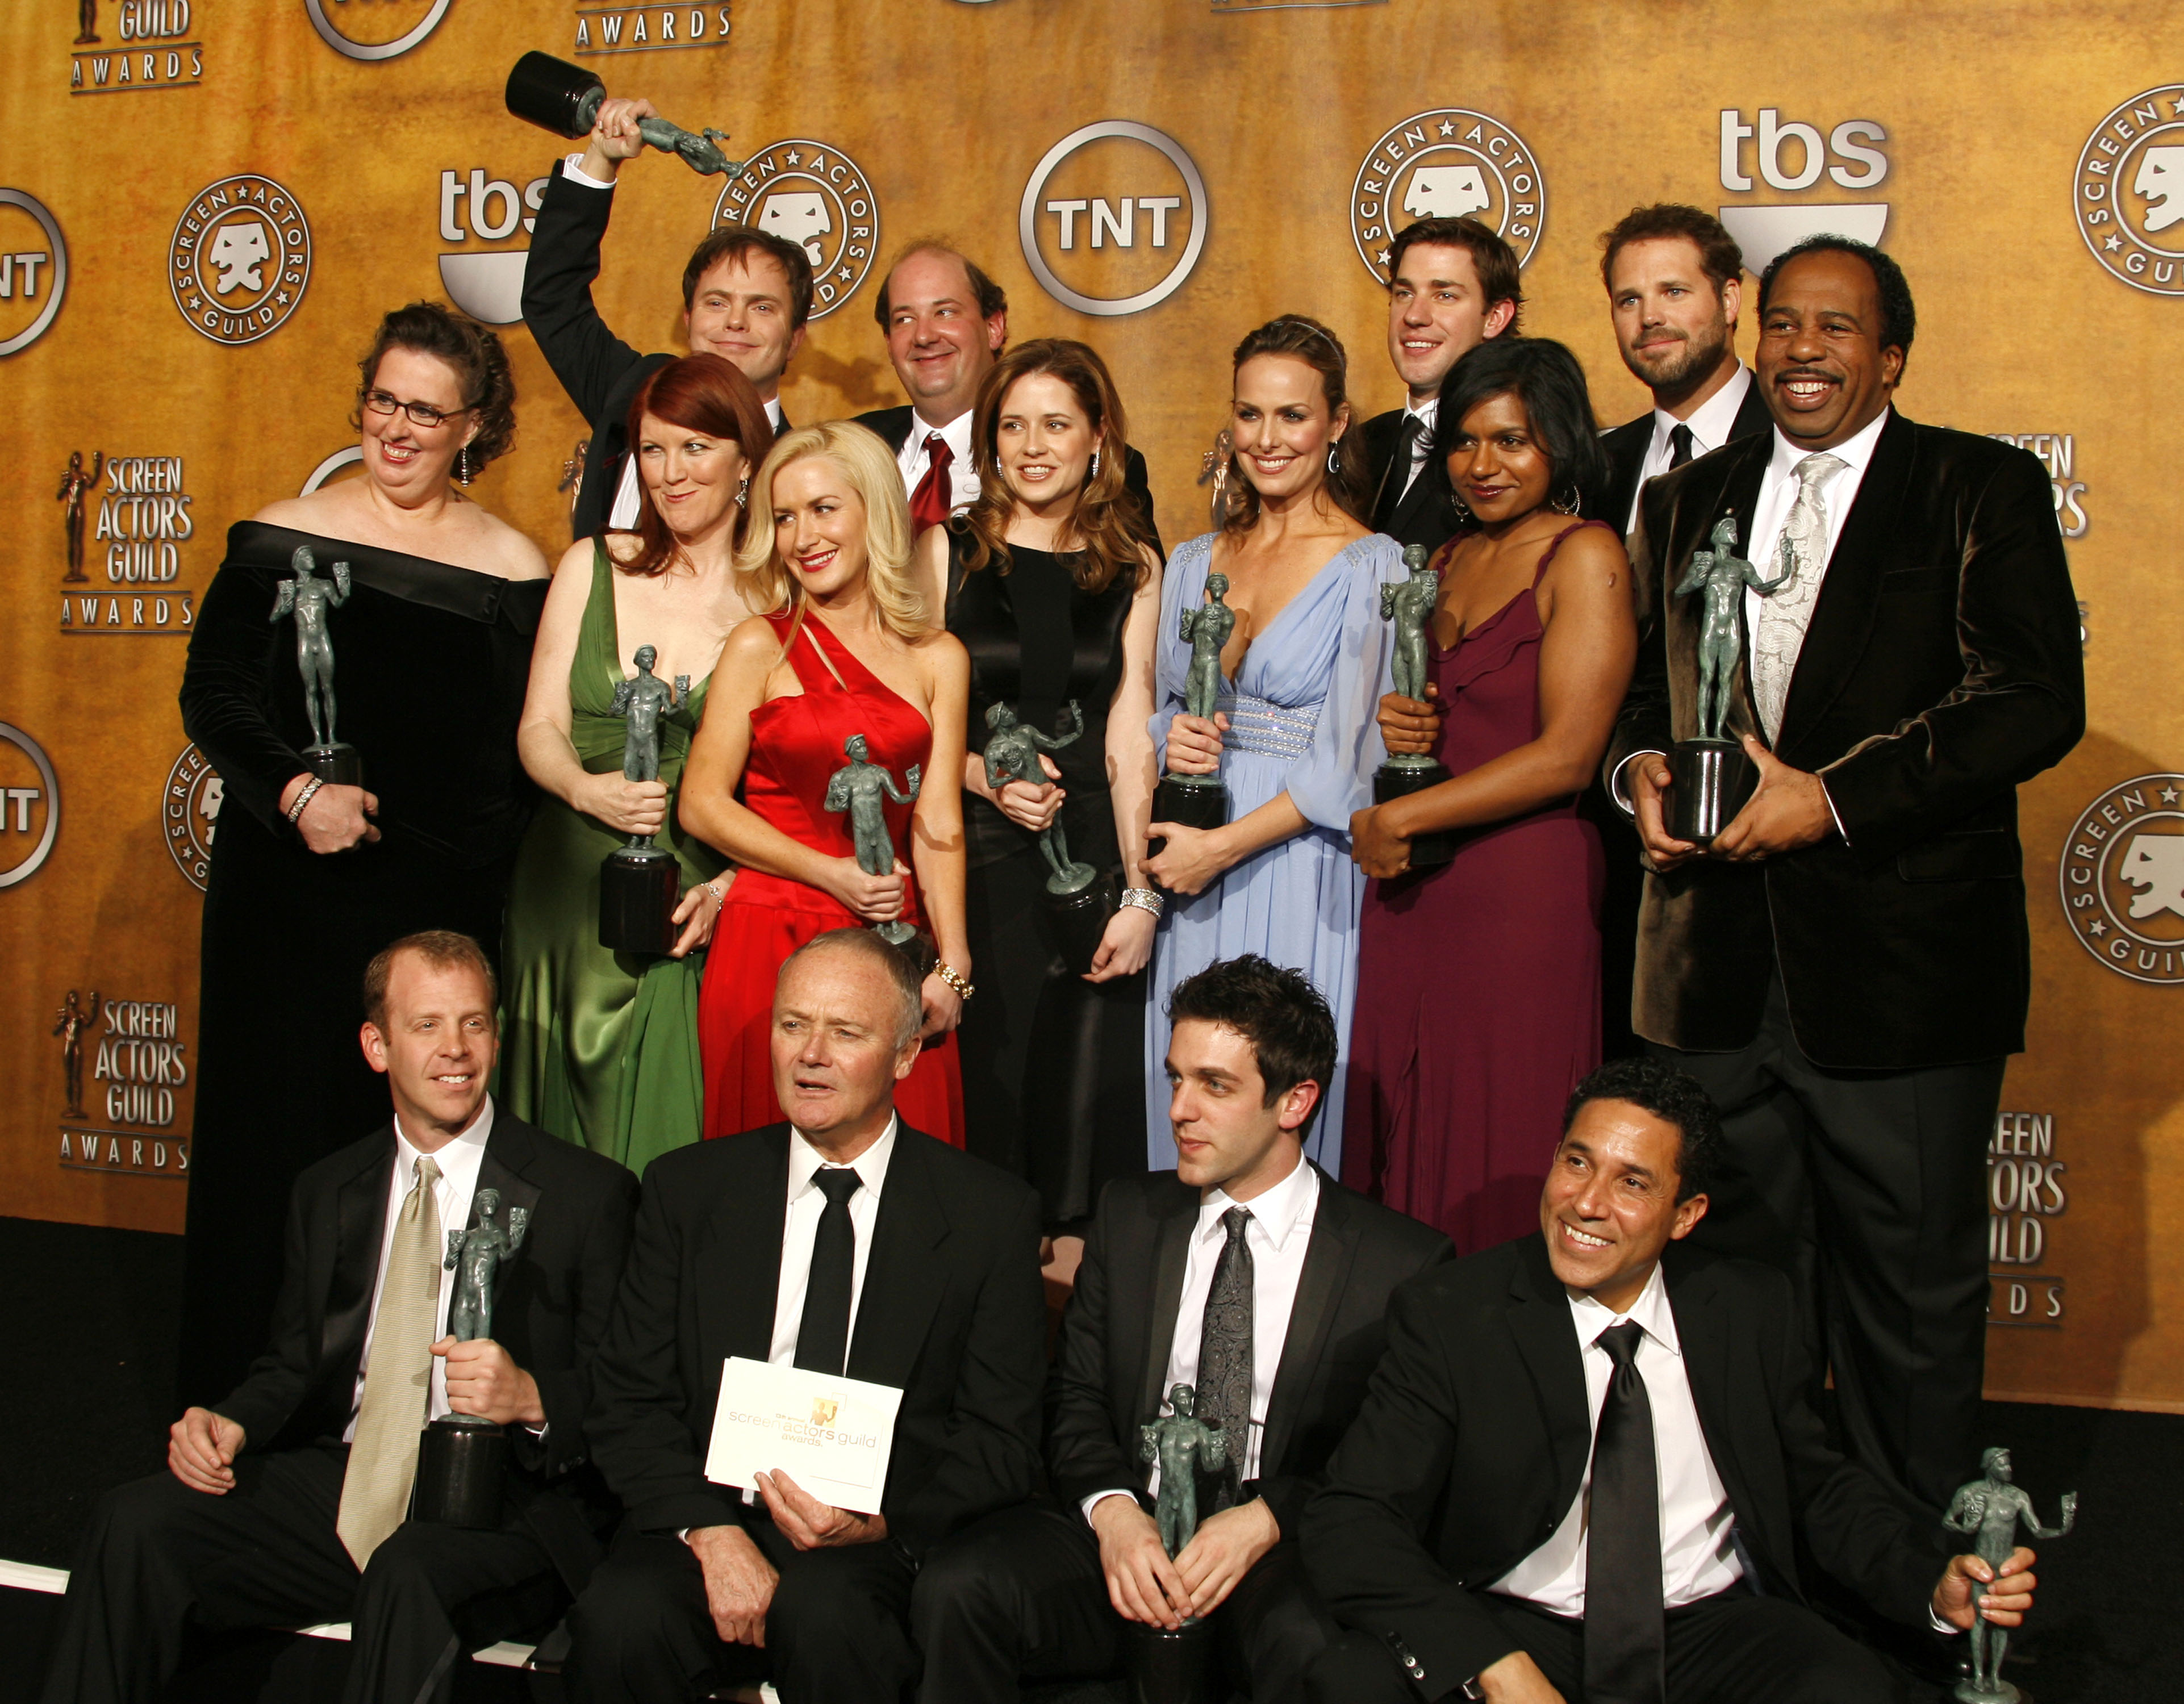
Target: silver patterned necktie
(398, 1377)
(1785, 612)
(1225, 1349)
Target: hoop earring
(1094, 472)
(463, 465)
(1568, 506)
(743, 492)
(1335, 456)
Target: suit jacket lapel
(902, 1283)
(737, 1268)
(1843, 616)
(1327, 1262)
(360, 1220)
(1751, 415)
(1171, 1254)
(1547, 1340)
(502, 1169)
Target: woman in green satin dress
(601, 1048)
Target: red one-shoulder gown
(796, 744)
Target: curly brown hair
(473, 351)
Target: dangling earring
(1567, 505)
(743, 492)
(1334, 455)
(463, 465)
(1094, 472)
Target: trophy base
(1078, 916)
(1193, 801)
(338, 764)
(1182, 1666)
(639, 887)
(1398, 779)
(460, 1462)
(912, 943)
(1709, 780)
(554, 94)
(2002, 1692)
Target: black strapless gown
(431, 662)
(1052, 1087)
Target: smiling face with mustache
(1823, 370)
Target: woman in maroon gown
(1479, 981)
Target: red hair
(700, 393)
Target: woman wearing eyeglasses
(431, 648)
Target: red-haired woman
(601, 1048)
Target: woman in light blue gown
(1295, 740)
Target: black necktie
(1399, 463)
(1225, 1349)
(822, 1335)
(1679, 445)
(1623, 1632)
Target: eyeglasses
(421, 413)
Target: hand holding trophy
(565, 98)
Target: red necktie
(935, 496)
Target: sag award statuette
(461, 1457)
(1991, 1508)
(640, 882)
(311, 600)
(1711, 778)
(1410, 605)
(862, 789)
(1177, 1667)
(1079, 899)
(1198, 801)
(565, 98)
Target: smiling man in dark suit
(840, 1230)
(1847, 967)
(1587, 1472)
(746, 296)
(285, 1503)
(1247, 1273)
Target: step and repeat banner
(206, 205)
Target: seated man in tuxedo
(840, 1230)
(1247, 1273)
(746, 296)
(285, 1504)
(1586, 1461)
(945, 322)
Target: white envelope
(833, 1435)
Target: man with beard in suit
(284, 1504)
(1586, 1469)
(1247, 1273)
(746, 295)
(840, 1241)
(1452, 284)
(1847, 967)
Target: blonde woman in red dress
(845, 644)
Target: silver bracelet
(1145, 900)
(304, 797)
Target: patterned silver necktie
(1784, 613)
(1225, 1349)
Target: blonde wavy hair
(767, 584)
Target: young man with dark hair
(1675, 278)
(1846, 967)
(1245, 1273)
(1586, 1462)
(1452, 283)
(746, 296)
(284, 1504)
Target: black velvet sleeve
(225, 686)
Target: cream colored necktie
(1784, 613)
(398, 1377)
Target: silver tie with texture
(1784, 613)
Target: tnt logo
(1112, 220)
(33, 269)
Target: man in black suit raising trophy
(1847, 966)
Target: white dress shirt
(1696, 1558)
(1425, 413)
(458, 1162)
(1711, 423)
(1278, 1236)
(913, 459)
(800, 1230)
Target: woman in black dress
(432, 651)
(1052, 585)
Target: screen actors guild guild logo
(75, 1020)
(76, 481)
(2129, 193)
(812, 194)
(149, 48)
(1451, 163)
(240, 258)
(824, 1409)
(189, 813)
(2122, 879)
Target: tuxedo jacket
(952, 1312)
(1940, 669)
(1475, 1434)
(1110, 1374)
(1423, 515)
(1626, 445)
(601, 373)
(551, 1302)
(893, 426)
